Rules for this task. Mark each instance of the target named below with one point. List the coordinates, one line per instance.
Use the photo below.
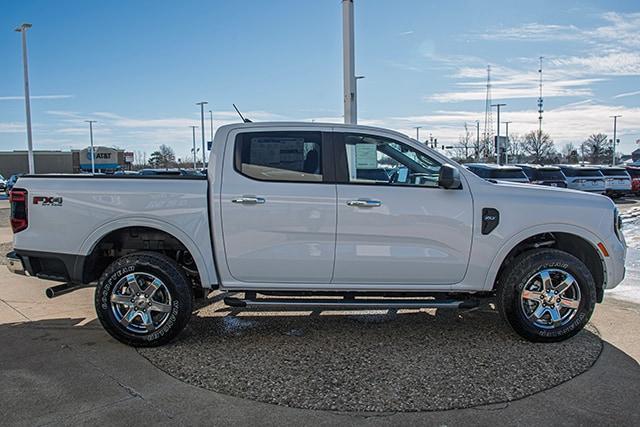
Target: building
(107, 160)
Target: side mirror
(449, 177)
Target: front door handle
(364, 203)
(249, 200)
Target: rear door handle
(249, 200)
(364, 203)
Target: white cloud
(625, 94)
(11, 127)
(533, 32)
(21, 98)
(569, 123)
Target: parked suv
(551, 176)
(617, 181)
(584, 178)
(498, 173)
(634, 173)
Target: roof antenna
(240, 114)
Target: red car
(635, 179)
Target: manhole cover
(416, 361)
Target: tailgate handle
(249, 200)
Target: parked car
(634, 173)
(549, 175)
(617, 181)
(280, 228)
(498, 173)
(584, 178)
(3, 183)
(170, 172)
(12, 181)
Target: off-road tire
(514, 278)
(175, 280)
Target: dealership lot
(59, 366)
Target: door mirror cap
(449, 177)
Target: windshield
(550, 174)
(588, 172)
(614, 172)
(508, 174)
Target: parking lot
(59, 366)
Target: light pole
(615, 123)
(498, 136)
(202, 104)
(506, 153)
(27, 101)
(418, 132)
(211, 121)
(348, 64)
(93, 154)
(193, 129)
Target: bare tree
(164, 157)
(570, 153)
(466, 144)
(597, 148)
(539, 146)
(515, 148)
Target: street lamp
(506, 153)
(193, 129)
(202, 104)
(498, 136)
(27, 101)
(615, 123)
(93, 154)
(418, 132)
(211, 121)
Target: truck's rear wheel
(546, 295)
(144, 299)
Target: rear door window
(280, 156)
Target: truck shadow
(367, 362)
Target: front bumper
(14, 263)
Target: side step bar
(348, 304)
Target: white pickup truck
(318, 216)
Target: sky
(139, 67)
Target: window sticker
(366, 156)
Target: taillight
(18, 201)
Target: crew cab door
(395, 225)
(278, 207)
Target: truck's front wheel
(546, 295)
(144, 299)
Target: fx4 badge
(47, 201)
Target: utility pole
(498, 159)
(202, 104)
(506, 153)
(540, 102)
(615, 123)
(477, 140)
(348, 64)
(211, 121)
(195, 161)
(93, 154)
(418, 132)
(27, 100)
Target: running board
(348, 304)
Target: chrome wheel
(140, 302)
(550, 298)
